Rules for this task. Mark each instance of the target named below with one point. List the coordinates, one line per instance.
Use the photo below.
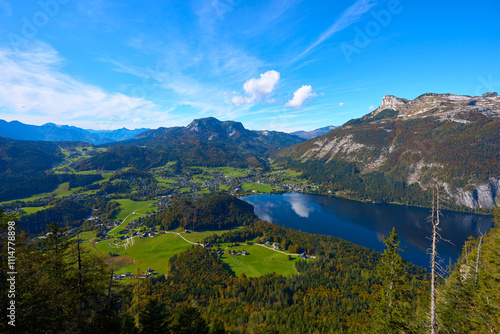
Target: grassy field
(266, 188)
(127, 209)
(127, 206)
(260, 261)
(87, 235)
(292, 173)
(32, 209)
(155, 252)
(198, 236)
(148, 252)
(233, 172)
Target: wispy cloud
(352, 15)
(5, 7)
(34, 88)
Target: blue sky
(275, 64)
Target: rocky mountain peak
(441, 105)
(204, 123)
(213, 126)
(392, 102)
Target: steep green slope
(205, 142)
(217, 211)
(392, 155)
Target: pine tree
(392, 312)
(470, 299)
(189, 321)
(154, 318)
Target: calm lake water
(366, 223)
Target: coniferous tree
(189, 321)
(155, 319)
(470, 299)
(392, 312)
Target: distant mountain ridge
(313, 133)
(398, 151)
(204, 142)
(53, 132)
(212, 130)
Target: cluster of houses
(234, 185)
(234, 252)
(130, 275)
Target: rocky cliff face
(482, 196)
(450, 139)
(443, 105)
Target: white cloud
(371, 108)
(299, 205)
(300, 96)
(33, 87)
(258, 89)
(341, 104)
(239, 100)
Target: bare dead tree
(478, 254)
(435, 231)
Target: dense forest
(215, 212)
(346, 288)
(68, 213)
(24, 166)
(188, 154)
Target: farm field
(257, 187)
(29, 210)
(147, 253)
(260, 261)
(127, 209)
(155, 252)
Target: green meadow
(233, 172)
(32, 209)
(147, 253)
(155, 253)
(265, 188)
(130, 210)
(260, 261)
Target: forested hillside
(395, 155)
(204, 142)
(23, 165)
(215, 212)
(342, 287)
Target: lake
(366, 223)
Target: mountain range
(204, 142)
(398, 152)
(314, 133)
(53, 132)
